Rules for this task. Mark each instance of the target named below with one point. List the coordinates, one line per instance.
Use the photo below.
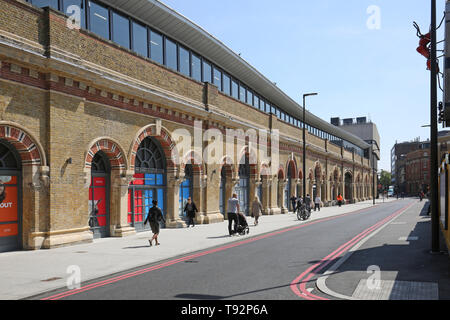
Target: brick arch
(252, 162)
(291, 163)
(164, 138)
(281, 175)
(191, 157)
(30, 150)
(300, 174)
(252, 158)
(227, 164)
(336, 175)
(317, 170)
(311, 174)
(111, 148)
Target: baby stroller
(242, 226)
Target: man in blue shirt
(233, 209)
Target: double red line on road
(298, 285)
(190, 257)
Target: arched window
(150, 158)
(9, 160)
(149, 182)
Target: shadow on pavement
(194, 296)
(408, 260)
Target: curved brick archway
(163, 138)
(195, 160)
(113, 151)
(30, 151)
(227, 164)
(293, 166)
(281, 175)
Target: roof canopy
(178, 27)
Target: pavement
(29, 273)
(395, 263)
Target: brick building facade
(418, 171)
(89, 135)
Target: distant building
(365, 130)
(417, 168)
(398, 162)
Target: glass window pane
(196, 68)
(262, 106)
(242, 93)
(99, 20)
(278, 113)
(156, 47)
(206, 72)
(249, 97)
(70, 11)
(140, 39)
(171, 55)
(256, 102)
(184, 61)
(234, 89)
(226, 84)
(46, 3)
(218, 79)
(121, 30)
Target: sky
(359, 55)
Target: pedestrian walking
(256, 209)
(190, 208)
(154, 218)
(294, 203)
(340, 199)
(233, 209)
(317, 203)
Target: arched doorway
(185, 189)
(280, 190)
(99, 193)
(226, 187)
(288, 192)
(149, 182)
(348, 186)
(243, 187)
(10, 198)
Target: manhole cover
(51, 279)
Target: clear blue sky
(325, 46)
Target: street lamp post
(304, 142)
(374, 182)
(433, 109)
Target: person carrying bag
(154, 218)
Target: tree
(385, 179)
